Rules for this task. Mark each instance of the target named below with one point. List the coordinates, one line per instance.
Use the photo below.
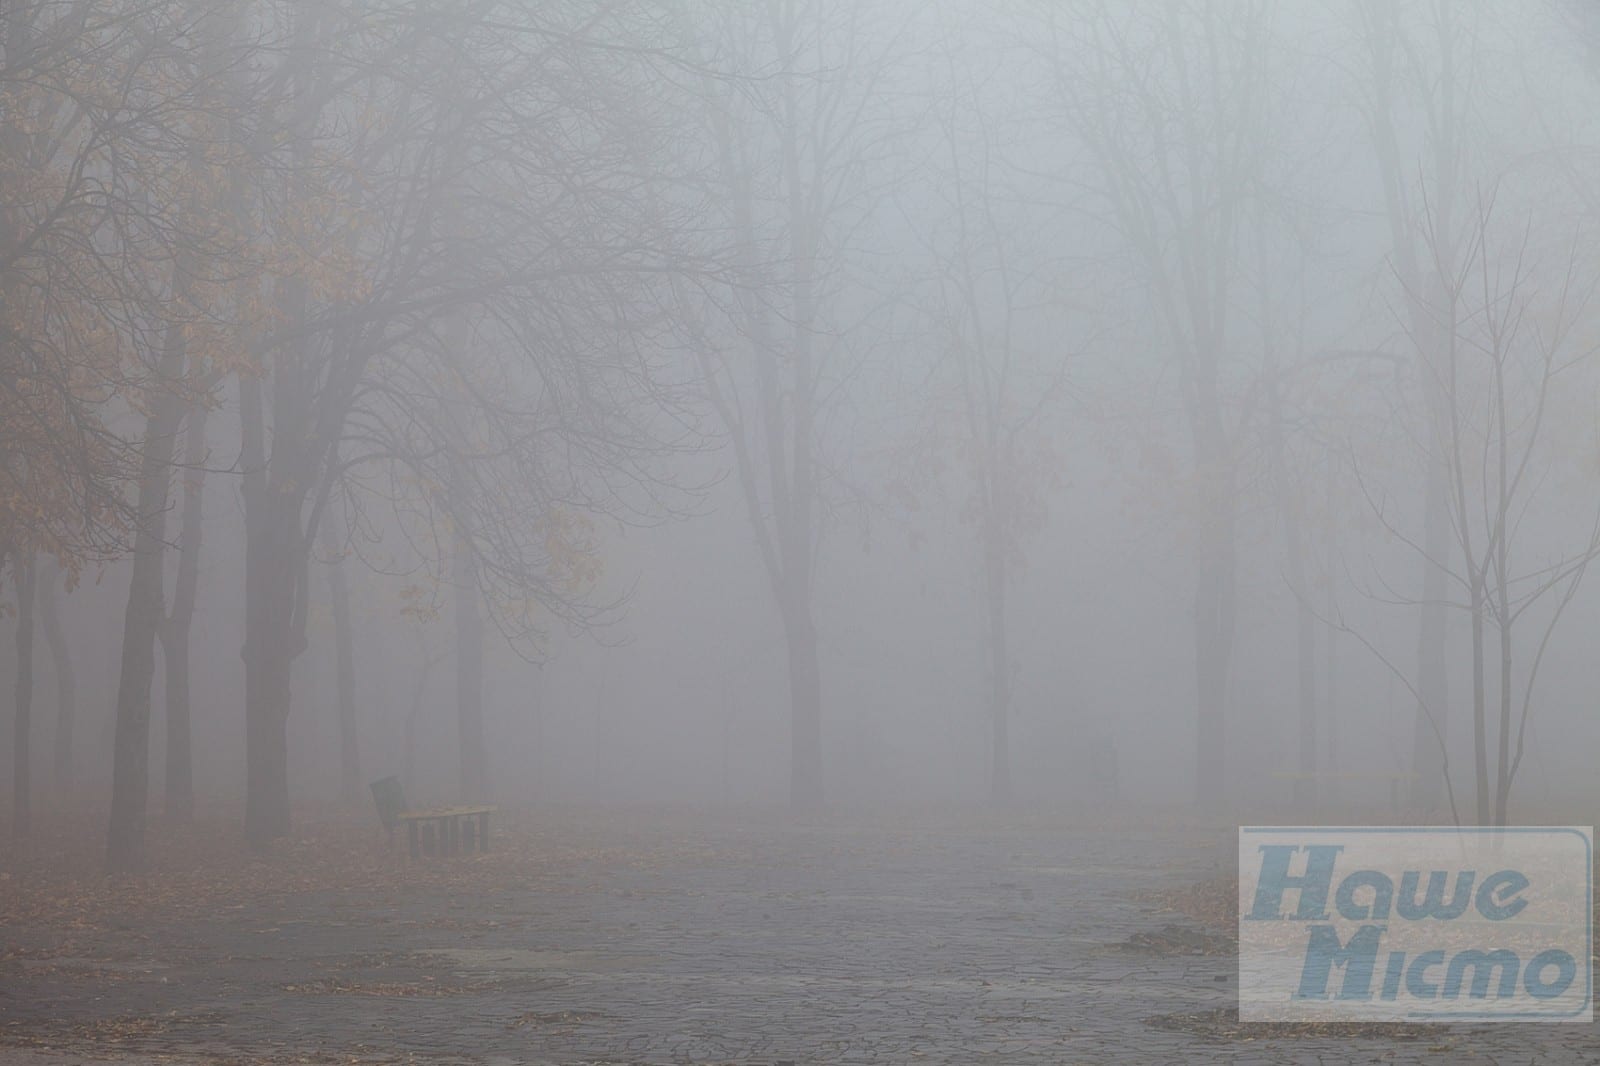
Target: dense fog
(816, 402)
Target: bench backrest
(390, 798)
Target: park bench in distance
(440, 831)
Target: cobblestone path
(961, 944)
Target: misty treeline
(390, 314)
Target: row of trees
(426, 283)
(405, 243)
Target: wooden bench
(447, 830)
(440, 831)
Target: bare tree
(801, 132)
(1290, 493)
(1169, 104)
(174, 630)
(344, 663)
(1435, 61)
(171, 388)
(468, 618)
(145, 611)
(499, 186)
(1508, 350)
(22, 579)
(84, 132)
(52, 583)
(992, 389)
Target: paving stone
(849, 944)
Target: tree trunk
(1429, 321)
(1306, 671)
(1437, 322)
(66, 680)
(805, 707)
(1479, 739)
(999, 669)
(1305, 654)
(275, 487)
(273, 556)
(174, 633)
(1330, 711)
(1213, 636)
(1430, 726)
(266, 815)
(179, 796)
(345, 678)
(469, 676)
(130, 777)
(1502, 791)
(777, 488)
(409, 737)
(1211, 688)
(1294, 550)
(271, 551)
(22, 570)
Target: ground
(624, 937)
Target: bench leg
(411, 839)
(483, 831)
